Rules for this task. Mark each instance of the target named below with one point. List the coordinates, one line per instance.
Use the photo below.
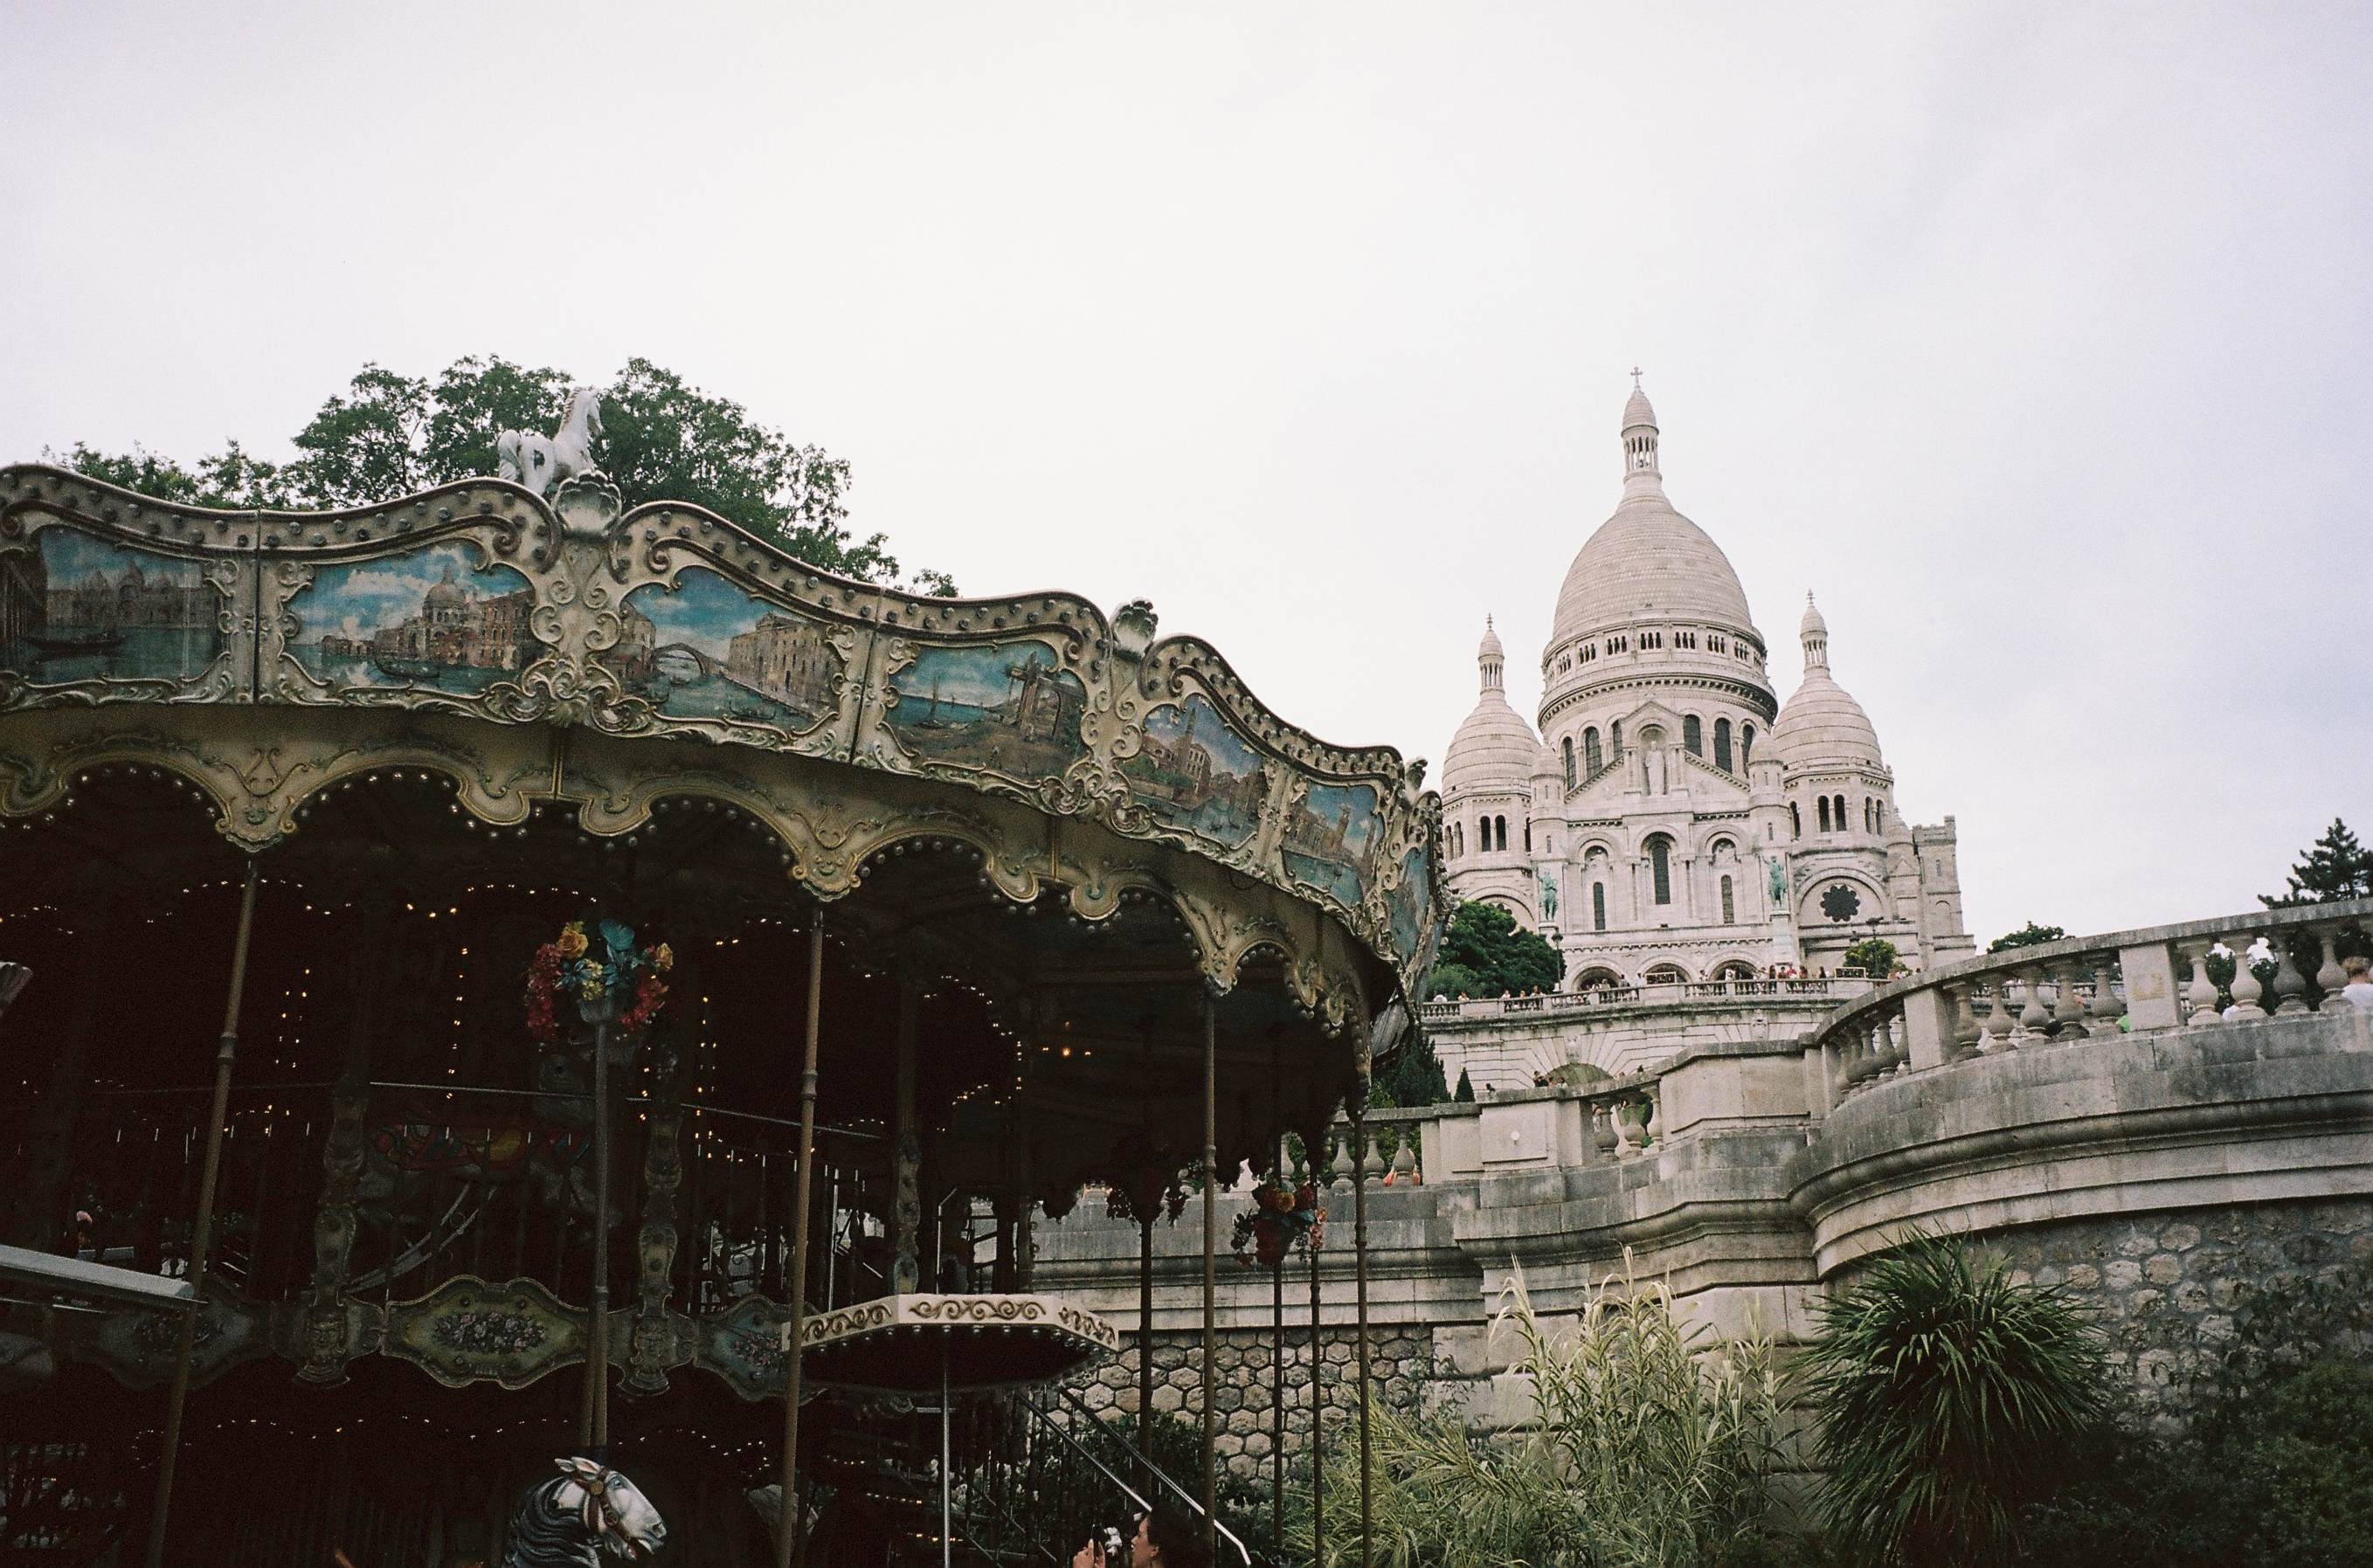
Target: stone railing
(2085, 988)
(1599, 998)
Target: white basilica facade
(1670, 821)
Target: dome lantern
(1814, 632)
(1638, 437)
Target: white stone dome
(1495, 748)
(1821, 725)
(1647, 562)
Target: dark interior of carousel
(398, 1133)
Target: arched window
(1746, 747)
(1599, 905)
(1796, 821)
(1501, 837)
(1568, 762)
(1729, 911)
(1721, 744)
(1692, 735)
(1615, 737)
(1529, 836)
(1660, 860)
(1483, 835)
(1590, 757)
(1825, 814)
(1838, 808)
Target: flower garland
(1148, 1181)
(624, 973)
(1281, 1218)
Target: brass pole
(1277, 1320)
(597, 1360)
(1360, 1268)
(1145, 1343)
(1317, 1401)
(794, 1515)
(202, 1231)
(1210, 1275)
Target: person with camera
(1166, 1537)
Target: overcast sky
(2034, 340)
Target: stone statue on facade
(539, 462)
(1548, 899)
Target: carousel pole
(794, 1531)
(1317, 1401)
(1210, 1275)
(202, 1231)
(1360, 1268)
(1277, 1326)
(597, 1361)
(1145, 1340)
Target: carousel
(532, 1017)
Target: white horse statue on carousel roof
(539, 462)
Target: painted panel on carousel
(745, 1347)
(1405, 906)
(707, 649)
(1009, 706)
(77, 608)
(431, 620)
(468, 1330)
(1193, 772)
(1331, 840)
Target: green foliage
(1875, 957)
(1949, 1402)
(1464, 1094)
(1453, 981)
(1175, 1444)
(2028, 935)
(391, 435)
(1414, 1077)
(1485, 941)
(2334, 867)
(1652, 1445)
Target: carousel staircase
(1033, 1474)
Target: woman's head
(2358, 968)
(1169, 1537)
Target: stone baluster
(1994, 1027)
(2246, 988)
(1895, 1044)
(2329, 976)
(2200, 997)
(1966, 1032)
(1654, 1131)
(1405, 1157)
(2107, 1008)
(1624, 1133)
(2068, 1009)
(2290, 986)
(1602, 1131)
(2034, 1020)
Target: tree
(2028, 935)
(1875, 957)
(2333, 868)
(1504, 958)
(1950, 1402)
(1464, 1094)
(391, 435)
(1415, 1077)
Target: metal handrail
(1192, 1501)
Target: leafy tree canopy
(2028, 935)
(1875, 957)
(1502, 957)
(391, 435)
(2334, 867)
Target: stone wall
(2164, 1286)
(1400, 1360)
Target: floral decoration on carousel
(621, 986)
(1281, 1220)
(1147, 1184)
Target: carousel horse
(539, 462)
(570, 1520)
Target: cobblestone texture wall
(2163, 1286)
(1400, 1360)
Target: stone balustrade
(1479, 1009)
(2100, 987)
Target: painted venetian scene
(707, 649)
(76, 608)
(425, 619)
(1009, 706)
(1330, 840)
(1193, 772)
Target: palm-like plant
(1949, 1401)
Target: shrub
(1949, 1402)
(1652, 1444)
